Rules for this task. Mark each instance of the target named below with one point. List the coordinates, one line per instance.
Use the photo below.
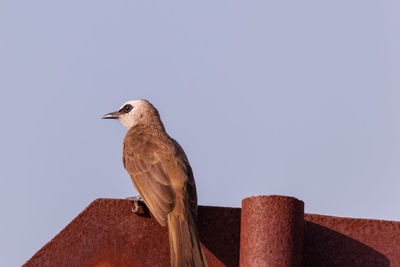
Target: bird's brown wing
(184, 238)
(147, 159)
(190, 184)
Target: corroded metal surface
(335, 241)
(272, 231)
(107, 233)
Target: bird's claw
(137, 208)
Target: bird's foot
(137, 208)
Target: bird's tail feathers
(184, 242)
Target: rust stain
(108, 233)
(270, 230)
(103, 264)
(335, 241)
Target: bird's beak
(112, 115)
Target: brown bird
(162, 175)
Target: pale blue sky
(297, 98)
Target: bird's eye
(127, 108)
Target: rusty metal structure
(266, 231)
(272, 231)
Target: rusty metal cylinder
(272, 231)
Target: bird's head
(135, 112)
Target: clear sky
(297, 98)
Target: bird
(163, 177)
